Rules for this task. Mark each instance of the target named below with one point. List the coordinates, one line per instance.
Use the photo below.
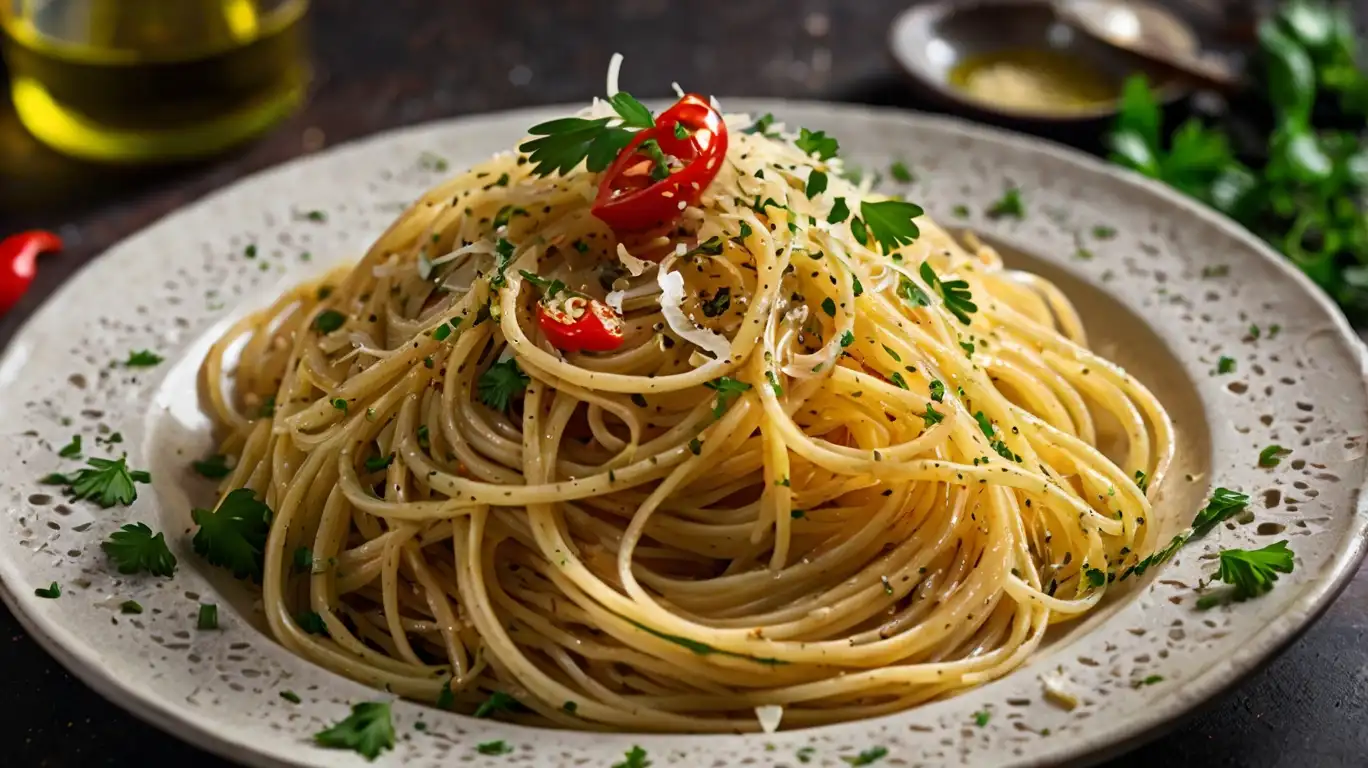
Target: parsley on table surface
(106, 482)
(867, 757)
(727, 389)
(890, 222)
(368, 730)
(1009, 205)
(50, 592)
(958, 299)
(500, 383)
(142, 359)
(634, 758)
(1252, 571)
(234, 535)
(134, 548)
(560, 145)
(72, 449)
(214, 467)
(1295, 179)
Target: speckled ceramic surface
(1175, 289)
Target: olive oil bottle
(138, 81)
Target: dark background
(381, 64)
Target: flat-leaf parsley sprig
(561, 145)
(1223, 505)
(234, 535)
(106, 482)
(133, 548)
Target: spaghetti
(833, 467)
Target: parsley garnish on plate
(890, 222)
(214, 467)
(106, 482)
(234, 535)
(958, 299)
(290, 696)
(1225, 365)
(72, 449)
(1008, 205)
(937, 389)
(312, 622)
(932, 417)
(561, 145)
(816, 184)
(727, 389)
(981, 717)
(500, 383)
(900, 172)
(134, 548)
(634, 758)
(495, 748)
(142, 359)
(498, 701)
(130, 607)
(839, 211)
(368, 730)
(817, 144)
(762, 126)
(208, 617)
(867, 757)
(1252, 571)
(805, 754)
(50, 592)
(1223, 505)
(1272, 455)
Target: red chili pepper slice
(663, 167)
(575, 323)
(17, 256)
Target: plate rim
(1255, 653)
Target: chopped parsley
(495, 748)
(130, 607)
(133, 548)
(498, 701)
(829, 307)
(816, 184)
(981, 717)
(72, 449)
(377, 463)
(634, 758)
(233, 536)
(847, 339)
(897, 378)
(968, 347)
(340, 403)
(960, 211)
(719, 303)
(1008, 205)
(761, 126)
(1141, 481)
(1103, 232)
(1096, 577)
(50, 592)
(500, 383)
(1151, 680)
(290, 696)
(561, 145)
(727, 389)
(1252, 572)
(303, 560)
(937, 390)
(214, 467)
(932, 417)
(890, 221)
(1225, 364)
(696, 446)
(106, 482)
(839, 211)
(368, 730)
(817, 144)
(911, 293)
(867, 757)
(142, 359)
(1272, 455)
(312, 622)
(506, 215)
(900, 172)
(208, 617)
(958, 299)
(805, 754)
(703, 649)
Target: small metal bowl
(930, 39)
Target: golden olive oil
(153, 80)
(1033, 79)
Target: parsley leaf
(719, 303)
(817, 143)
(634, 114)
(937, 390)
(1008, 205)
(208, 616)
(494, 748)
(500, 383)
(958, 299)
(932, 417)
(847, 339)
(1141, 481)
(839, 211)
(51, 591)
(703, 649)
(634, 758)
(1272, 455)
(72, 449)
(911, 293)
(142, 359)
(981, 717)
(497, 702)
(130, 607)
(900, 172)
(329, 320)
(106, 482)
(312, 622)
(133, 548)
(1252, 572)
(1223, 505)
(816, 184)
(727, 389)
(890, 221)
(234, 535)
(563, 144)
(761, 126)
(1096, 577)
(867, 757)
(829, 307)
(214, 467)
(1225, 365)
(377, 463)
(368, 730)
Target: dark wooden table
(398, 62)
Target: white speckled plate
(1174, 289)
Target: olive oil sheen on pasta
(134, 81)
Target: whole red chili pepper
(17, 256)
